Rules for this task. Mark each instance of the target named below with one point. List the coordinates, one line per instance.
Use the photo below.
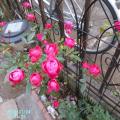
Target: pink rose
(70, 42)
(26, 5)
(117, 25)
(35, 54)
(85, 65)
(45, 42)
(35, 79)
(68, 26)
(48, 26)
(30, 17)
(51, 49)
(39, 36)
(16, 76)
(55, 104)
(2, 24)
(52, 67)
(94, 70)
(53, 85)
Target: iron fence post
(110, 68)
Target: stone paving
(23, 107)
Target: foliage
(85, 106)
(99, 114)
(86, 110)
(68, 111)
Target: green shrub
(68, 111)
(99, 113)
(87, 110)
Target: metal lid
(13, 31)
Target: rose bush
(42, 64)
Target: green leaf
(43, 58)
(24, 39)
(75, 57)
(69, 51)
(55, 94)
(60, 58)
(42, 89)
(82, 87)
(83, 80)
(28, 88)
(30, 36)
(5, 66)
(1, 71)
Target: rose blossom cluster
(29, 16)
(51, 66)
(93, 69)
(68, 27)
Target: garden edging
(41, 106)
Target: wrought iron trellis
(100, 91)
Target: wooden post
(59, 11)
(43, 16)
